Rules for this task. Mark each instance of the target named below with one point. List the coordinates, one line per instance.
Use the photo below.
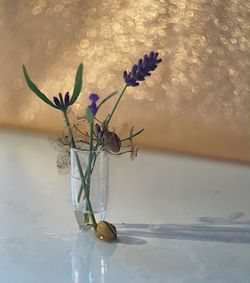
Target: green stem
(88, 171)
(66, 118)
(74, 146)
(135, 134)
(106, 99)
(116, 104)
(83, 184)
(94, 161)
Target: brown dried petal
(63, 162)
(112, 142)
(134, 151)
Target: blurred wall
(195, 102)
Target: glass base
(84, 219)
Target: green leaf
(78, 85)
(107, 98)
(36, 90)
(89, 115)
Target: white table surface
(186, 220)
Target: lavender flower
(61, 103)
(142, 69)
(94, 98)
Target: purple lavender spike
(142, 69)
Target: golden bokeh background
(197, 101)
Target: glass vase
(89, 186)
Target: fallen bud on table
(106, 231)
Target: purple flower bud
(134, 84)
(125, 74)
(93, 108)
(57, 102)
(66, 99)
(134, 70)
(97, 129)
(151, 55)
(94, 97)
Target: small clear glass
(96, 203)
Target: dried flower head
(112, 142)
(134, 147)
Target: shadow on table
(194, 232)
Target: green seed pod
(112, 142)
(106, 231)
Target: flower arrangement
(98, 137)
